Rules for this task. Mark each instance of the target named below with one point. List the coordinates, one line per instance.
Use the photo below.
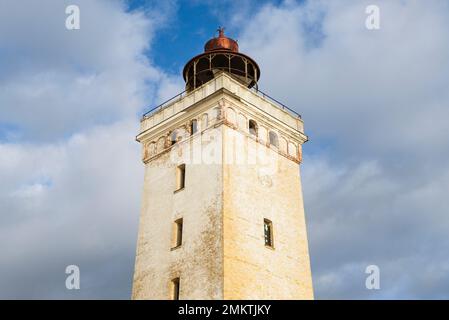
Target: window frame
(273, 139)
(193, 126)
(175, 288)
(269, 223)
(178, 229)
(255, 129)
(180, 177)
(173, 137)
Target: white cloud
(375, 173)
(374, 103)
(389, 73)
(98, 74)
(71, 176)
(74, 202)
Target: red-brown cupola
(221, 43)
(221, 54)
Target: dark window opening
(175, 288)
(253, 127)
(193, 126)
(268, 232)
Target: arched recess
(283, 144)
(262, 133)
(160, 144)
(215, 114)
(252, 127)
(204, 121)
(178, 135)
(292, 150)
(242, 123)
(152, 149)
(230, 115)
(274, 140)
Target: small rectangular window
(268, 232)
(180, 177)
(175, 288)
(177, 233)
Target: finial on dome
(221, 54)
(221, 32)
(221, 42)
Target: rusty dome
(221, 43)
(221, 54)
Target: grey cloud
(86, 216)
(375, 174)
(96, 75)
(71, 180)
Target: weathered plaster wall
(199, 261)
(224, 201)
(253, 192)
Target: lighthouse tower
(222, 209)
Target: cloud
(98, 74)
(71, 203)
(70, 170)
(375, 174)
(360, 215)
(374, 103)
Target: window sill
(174, 248)
(179, 190)
(269, 247)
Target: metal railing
(173, 99)
(233, 72)
(278, 103)
(181, 95)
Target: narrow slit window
(175, 288)
(180, 177)
(268, 232)
(194, 126)
(177, 233)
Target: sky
(375, 104)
